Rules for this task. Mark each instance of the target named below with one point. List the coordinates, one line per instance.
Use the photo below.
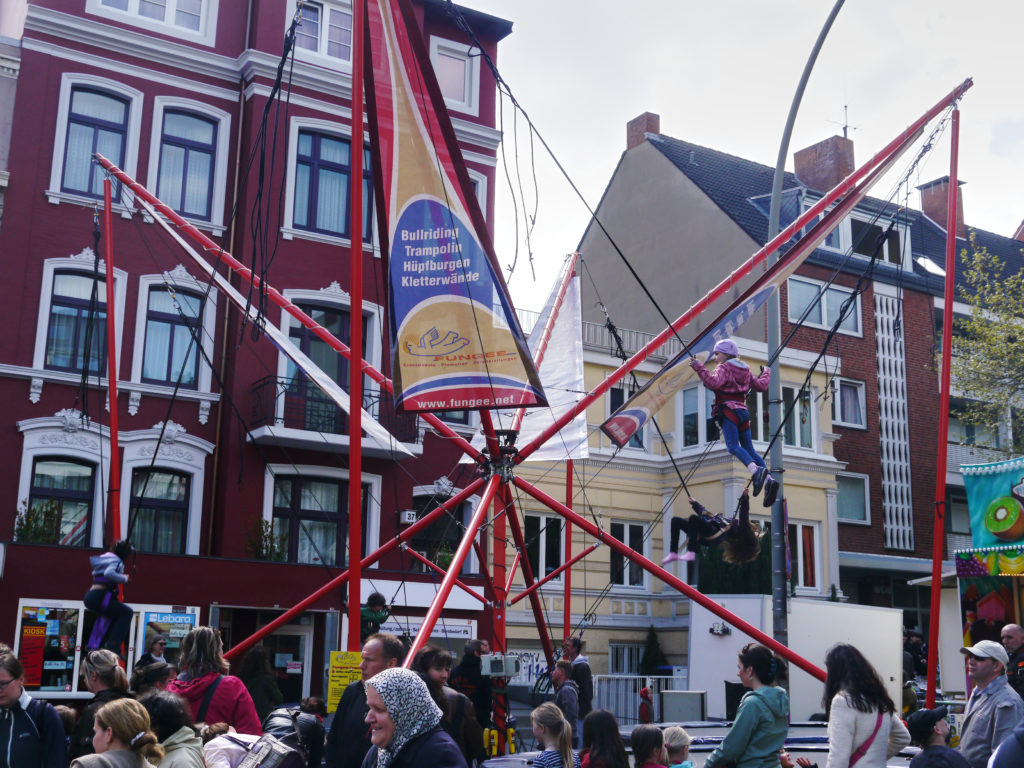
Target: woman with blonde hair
(677, 747)
(213, 695)
(121, 738)
(554, 735)
(107, 681)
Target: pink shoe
(671, 557)
(688, 556)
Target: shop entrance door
(291, 652)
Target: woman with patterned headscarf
(405, 724)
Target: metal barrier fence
(620, 694)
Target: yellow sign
(344, 670)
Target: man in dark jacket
(581, 674)
(1010, 753)
(468, 678)
(567, 696)
(348, 741)
(930, 731)
(31, 733)
(1012, 637)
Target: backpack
(302, 731)
(268, 752)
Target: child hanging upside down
(740, 538)
(731, 382)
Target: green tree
(38, 524)
(988, 347)
(653, 659)
(262, 543)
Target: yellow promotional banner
(344, 670)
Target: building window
(172, 338)
(824, 305)
(187, 149)
(848, 408)
(311, 518)
(853, 502)
(325, 30)
(454, 417)
(960, 432)
(97, 122)
(159, 510)
(322, 185)
(798, 431)
(698, 425)
(624, 658)
(803, 552)
(623, 572)
(958, 517)
(74, 331)
(194, 20)
(864, 236)
(616, 397)
(66, 487)
(439, 540)
(457, 67)
(544, 548)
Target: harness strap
(721, 410)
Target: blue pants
(119, 614)
(739, 443)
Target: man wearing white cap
(994, 708)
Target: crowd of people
(197, 715)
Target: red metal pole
(277, 298)
(939, 532)
(742, 271)
(438, 569)
(530, 578)
(669, 579)
(355, 432)
(512, 572)
(567, 585)
(453, 569)
(403, 536)
(554, 575)
(115, 462)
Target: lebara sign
(995, 498)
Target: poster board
(173, 622)
(344, 670)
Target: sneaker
(671, 557)
(771, 490)
(759, 477)
(688, 556)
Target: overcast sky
(722, 74)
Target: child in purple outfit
(731, 382)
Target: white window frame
(623, 651)
(645, 430)
(704, 399)
(69, 81)
(836, 384)
(645, 577)
(180, 278)
(472, 565)
(867, 499)
(56, 437)
(902, 231)
(334, 296)
(481, 189)
(545, 518)
(329, 473)
(315, 57)
(205, 35)
(470, 103)
(220, 161)
(178, 452)
(797, 557)
(822, 298)
(288, 229)
(83, 264)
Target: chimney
(933, 203)
(823, 165)
(648, 122)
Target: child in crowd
(740, 538)
(554, 736)
(677, 747)
(648, 747)
(731, 382)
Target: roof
(481, 23)
(742, 188)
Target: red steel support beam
(743, 270)
(567, 586)
(554, 575)
(276, 297)
(438, 569)
(403, 536)
(115, 462)
(670, 579)
(512, 571)
(453, 568)
(939, 531)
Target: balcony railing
(295, 403)
(957, 454)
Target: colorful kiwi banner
(455, 339)
(995, 499)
